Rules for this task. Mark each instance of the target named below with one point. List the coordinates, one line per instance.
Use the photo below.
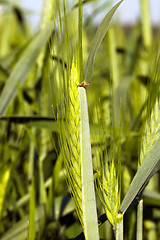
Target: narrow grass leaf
(48, 123)
(23, 67)
(88, 192)
(100, 34)
(31, 232)
(80, 53)
(5, 173)
(34, 121)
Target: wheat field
(79, 123)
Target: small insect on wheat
(83, 84)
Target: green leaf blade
(88, 192)
(101, 32)
(23, 67)
(32, 213)
(33, 121)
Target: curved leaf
(23, 67)
(100, 34)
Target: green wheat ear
(151, 131)
(70, 136)
(111, 194)
(108, 189)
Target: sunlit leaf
(23, 67)
(100, 34)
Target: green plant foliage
(88, 191)
(101, 31)
(4, 179)
(31, 232)
(23, 67)
(79, 123)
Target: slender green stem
(80, 53)
(146, 23)
(31, 161)
(119, 227)
(140, 220)
(113, 57)
(32, 212)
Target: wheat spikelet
(151, 131)
(111, 194)
(70, 134)
(152, 125)
(108, 191)
(108, 173)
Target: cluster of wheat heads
(75, 137)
